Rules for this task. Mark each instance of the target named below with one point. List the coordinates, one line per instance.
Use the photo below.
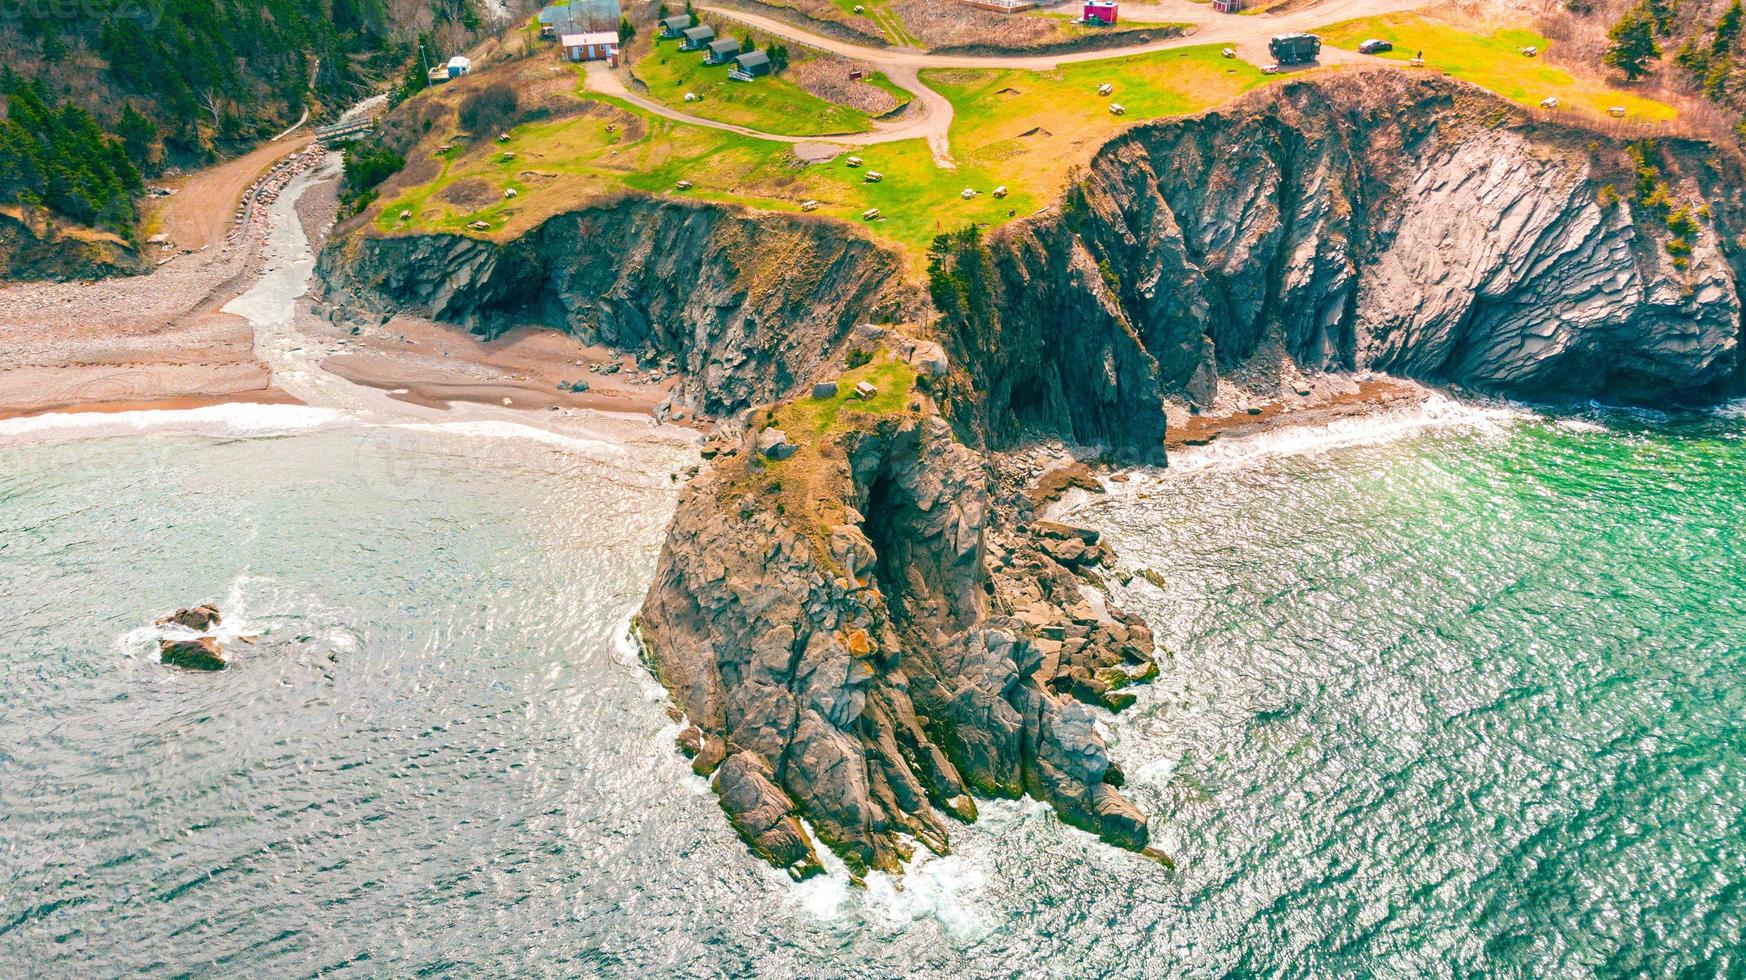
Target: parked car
(1374, 46)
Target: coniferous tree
(1633, 43)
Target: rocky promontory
(863, 615)
(872, 628)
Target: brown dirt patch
(472, 193)
(828, 78)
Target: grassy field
(1021, 129)
(558, 164)
(1493, 62)
(1030, 128)
(808, 421)
(1025, 130)
(884, 18)
(769, 104)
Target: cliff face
(1385, 223)
(747, 305)
(27, 255)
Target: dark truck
(1295, 49)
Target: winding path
(929, 117)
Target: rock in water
(199, 653)
(202, 617)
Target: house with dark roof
(673, 27)
(750, 65)
(697, 38)
(722, 50)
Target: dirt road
(1209, 28)
(930, 116)
(204, 205)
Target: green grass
(769, 104)
(561, 164)
(1030, 128)
(1493, 62)
(810, 420)
(884, 18)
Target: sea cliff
(860, 607)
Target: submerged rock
(199, 653)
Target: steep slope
(747, 305)
(1382, 223)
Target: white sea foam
(599, 449)
(1434, 413)
(231, 419)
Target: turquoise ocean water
(1460, 699)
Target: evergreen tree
(1633, 43)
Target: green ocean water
(1459, 695)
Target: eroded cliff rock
(1386, 222)
(746, 304)
(874, 631)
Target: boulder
(199, 653)
(929, 359)
(825, 389)
(200, 618)
(764, 816)
(774, 444)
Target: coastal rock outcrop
(1412, 226)
(32, 249)
(197, 653)
(199, 618)
(875, 634)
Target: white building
(592, 46)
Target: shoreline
(239, 328)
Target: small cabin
(752, 64)
(722, 50)
(459, 65)
(675, 26)
(1228, 6)
(592, 46)
(1099, 13)
(696, 38)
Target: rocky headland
(861, 609)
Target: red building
(1101, 12)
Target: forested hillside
(100, 96)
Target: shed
(459, 65)
(722, 50)
(750, 65)
(1099, 12)
(437, 75)
(697, 37)
(1228, 6)
(672, 27)
(592, 46)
